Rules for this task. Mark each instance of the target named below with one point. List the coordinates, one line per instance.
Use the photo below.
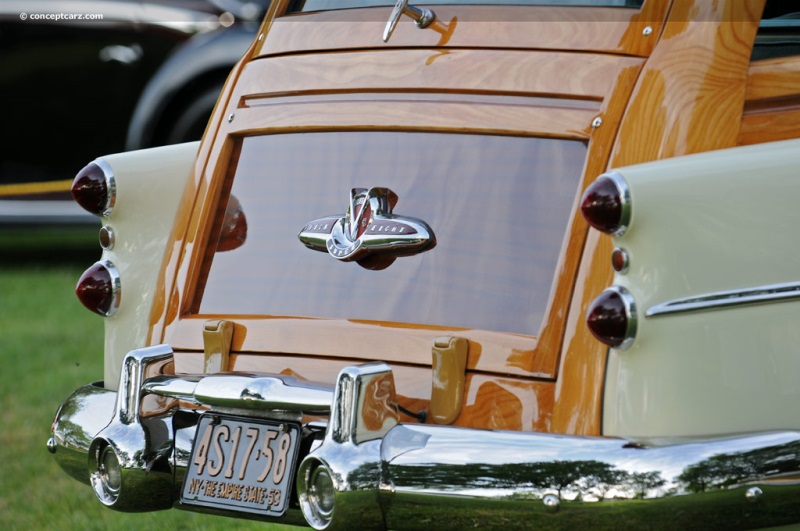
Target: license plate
(242, 465)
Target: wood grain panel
(490, 402)
(579, 390)
(570, 75)
(781, 122)
(489, 113)
(551, 336)
(691, 92)
(689, 98)
(510, 27)
(772, 109)
(496, 400)
(488, 351)
(774, 79)
(416, 115)
(506, 404)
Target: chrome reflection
(727, 299)
(364, 409)
(129, 466)
(369, 233)
(370, 472)
(466, 474)
(111, 186)
(256, 394)
(78, 421)
(422, 16)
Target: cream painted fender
(149, 186)
(710, 226)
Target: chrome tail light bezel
(115, 287)
(630, 312)
(622, 197)
(106, 203)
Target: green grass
(50, 345)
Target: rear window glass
(499, 207)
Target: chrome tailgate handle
(245, 391)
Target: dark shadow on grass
(48, 246)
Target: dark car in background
(83, 79)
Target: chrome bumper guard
(363, 469)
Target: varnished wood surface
(691, 93)
(772, 109)
(489, 401)
(774, 79)
(672, 102)
(614, 30)
(550, 338)
(567, 75)
(418, 115)
(270, 110)
(488, 351)
(578, 400)
(781, 122)
(689, 99)
(532, 96)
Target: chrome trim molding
(363, 411)
(381, 474)
(142, 446)
(625, 197)
(116, 286)
(422, 17)
(631, 314)
(78, 421)
(369, 232)
(111, 186)
(272, 393)
(727, 299)
(455, 477)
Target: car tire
(190, 123)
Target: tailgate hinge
(217, 337)
(449, 365)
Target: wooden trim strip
(605, 30)
(773, 79)
(494, 352)
(567, 75)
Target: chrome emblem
(369, 233)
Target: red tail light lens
(94, 188)
(612, 318)
(606, 204)
(99, 288)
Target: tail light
(612, 318)
(606, 204)
(94, 188)
(99, 288)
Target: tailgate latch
(449, 364)
(217, 337)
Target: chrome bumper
(399, 476)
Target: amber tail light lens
(606, 204)
(99, 288)
(612, 318)
(94, 188)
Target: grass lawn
(49, 345)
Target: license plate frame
(256, 472)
